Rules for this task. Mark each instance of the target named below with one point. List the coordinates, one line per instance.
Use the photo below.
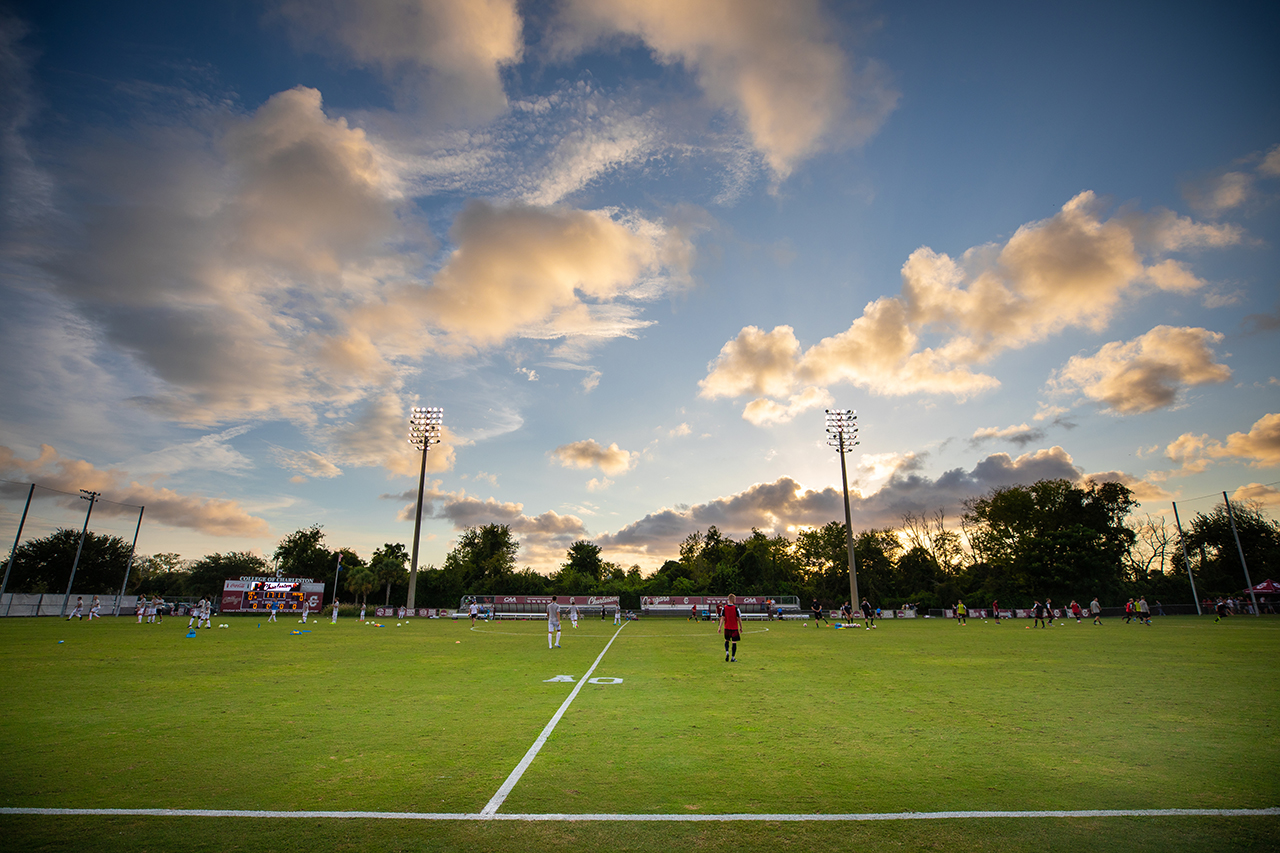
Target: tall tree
(388, 565)
(1053, 537)
(207, 575)
(1215, 559)
(44, 565)
(584, 558)
(483, 558)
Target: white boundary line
(656, 818)
(498, 798)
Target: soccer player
(475, 611)
(140, 608)
(617, 613)
(731, 626)
(303, 620)
(962, 614)
(1038, 609)
(817, 613)
(95, 610)
(194, 621)
(573, 612)
(1048, 607)
(335, 612)
(78, 613)
(1144, 611)
(1076, 611)
(275, 605)
(1096, 609)
(362, 612)
(693, 613)
(868, 615)
(995, 610)
(553, 623)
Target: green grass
(919, 715)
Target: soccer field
(443, 734)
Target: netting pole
(91, 497)
(129, 565)
(9, 566)
(1231, 515)
(1186, 561)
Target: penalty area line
(655, 818)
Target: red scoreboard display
(258, 594)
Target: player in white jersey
(553, 624)
(206, 610)
(361, 612)
(303, 620)
(194, 621)
(140, 608)
(573, 613)
(78, 613)
(617, 613)
(95, 611)
(335, 612)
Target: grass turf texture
(917, 715)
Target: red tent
(1268, 586)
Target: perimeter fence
(31, 512)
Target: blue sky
(633, 250)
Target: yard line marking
(498, 798)
(656, 818)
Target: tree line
(1016, 544)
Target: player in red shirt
(731, 626)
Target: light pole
(842, 434)
(424, 431)
(85, 495)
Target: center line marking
(500, 797)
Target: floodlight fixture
(425, 426)
(842, 434)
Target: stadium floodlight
(842, 434)
(425, 423)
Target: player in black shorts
(817, 613)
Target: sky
(634, 249)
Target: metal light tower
(842, 434)
(424, 431)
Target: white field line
(498, 798)
(656, 818)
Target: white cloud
(764, 411)
(1075, 269)
(785, 504)
(308, 464)
(213, 516)
(1146, 373)
(443, 55)
(1021, 435)
(775, 66)
(589, 453)
(1270, 166)
(1258, 448)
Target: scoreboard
(258, 594)
(286, 595)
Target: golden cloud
(1146, 373)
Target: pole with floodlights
(842, 433)
(424, 431)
